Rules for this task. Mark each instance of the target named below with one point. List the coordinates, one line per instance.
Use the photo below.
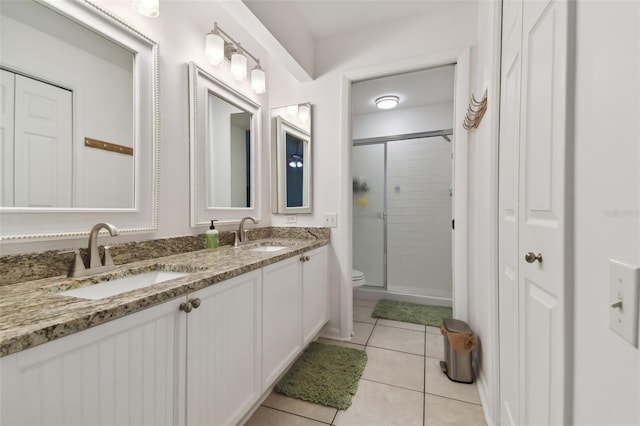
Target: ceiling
(327, 18)
(418, 88)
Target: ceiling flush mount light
(220, 46)
(387, 102)
(149, 8)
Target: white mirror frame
(22, 224)
(281, 128)
(201, 82)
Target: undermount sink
(267, 248)
(115, 286)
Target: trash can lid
(456, 326)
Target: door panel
(508, 305)
(43, 144)
(543, 192)
(533, 137)
(7, 94)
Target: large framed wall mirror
(224, 135)
(291, 162)
(79, 121)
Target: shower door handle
(382, 215)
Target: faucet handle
(77, 265)
(106, 258)
(236, 241)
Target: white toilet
(357, 278)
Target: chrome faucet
(242, 233)
(95, 265)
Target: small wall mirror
(291, 164)
(79, 121)
(225, 129)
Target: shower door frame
(394, 138)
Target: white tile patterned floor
(402, 384)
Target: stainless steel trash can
(456, 364)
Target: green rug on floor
(411, 312)
(324, 374)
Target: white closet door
(533, 153)
(7, 95)
(43, 144)
(543, 208)
(508, 213)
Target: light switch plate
(331, 220)
(623, 300)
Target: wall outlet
(623, 300)
(291, 219)
(331, 220)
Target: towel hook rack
(475, 111)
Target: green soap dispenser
(213, 237)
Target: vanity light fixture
(220, 45)
(239, 65)
(149, 8)
(295, 161)
(387, 101)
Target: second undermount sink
(116, 286)
(267, 248)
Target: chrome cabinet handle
(532, 257)
(186, 307)
(195, 303)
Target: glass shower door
(369, 229)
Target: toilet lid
(357, 275)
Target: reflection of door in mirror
(295, 170)
(228, 154)
(81, 84)
(36, 166)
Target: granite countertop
(32, 313)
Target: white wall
(482, 206)
(607, 205)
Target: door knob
(195, 303)
(186, 307)
(531, 257)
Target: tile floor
(402, 384)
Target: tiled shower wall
(419, 246)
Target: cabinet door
(314, 293)
(282, 317)
(223, 351)
(125, 372)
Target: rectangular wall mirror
(225, 129)
(79, 121)
(291, 159)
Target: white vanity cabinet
(294, 309)
(166, 366)
(223, 351)
(315, 293)
(124, 372)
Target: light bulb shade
(387, 102)
(214, 49)
(149, 8)
(258, 80)
(292, 163)
(304, 113)
(239, 66)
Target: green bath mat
(412, 312)
(324, 374)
